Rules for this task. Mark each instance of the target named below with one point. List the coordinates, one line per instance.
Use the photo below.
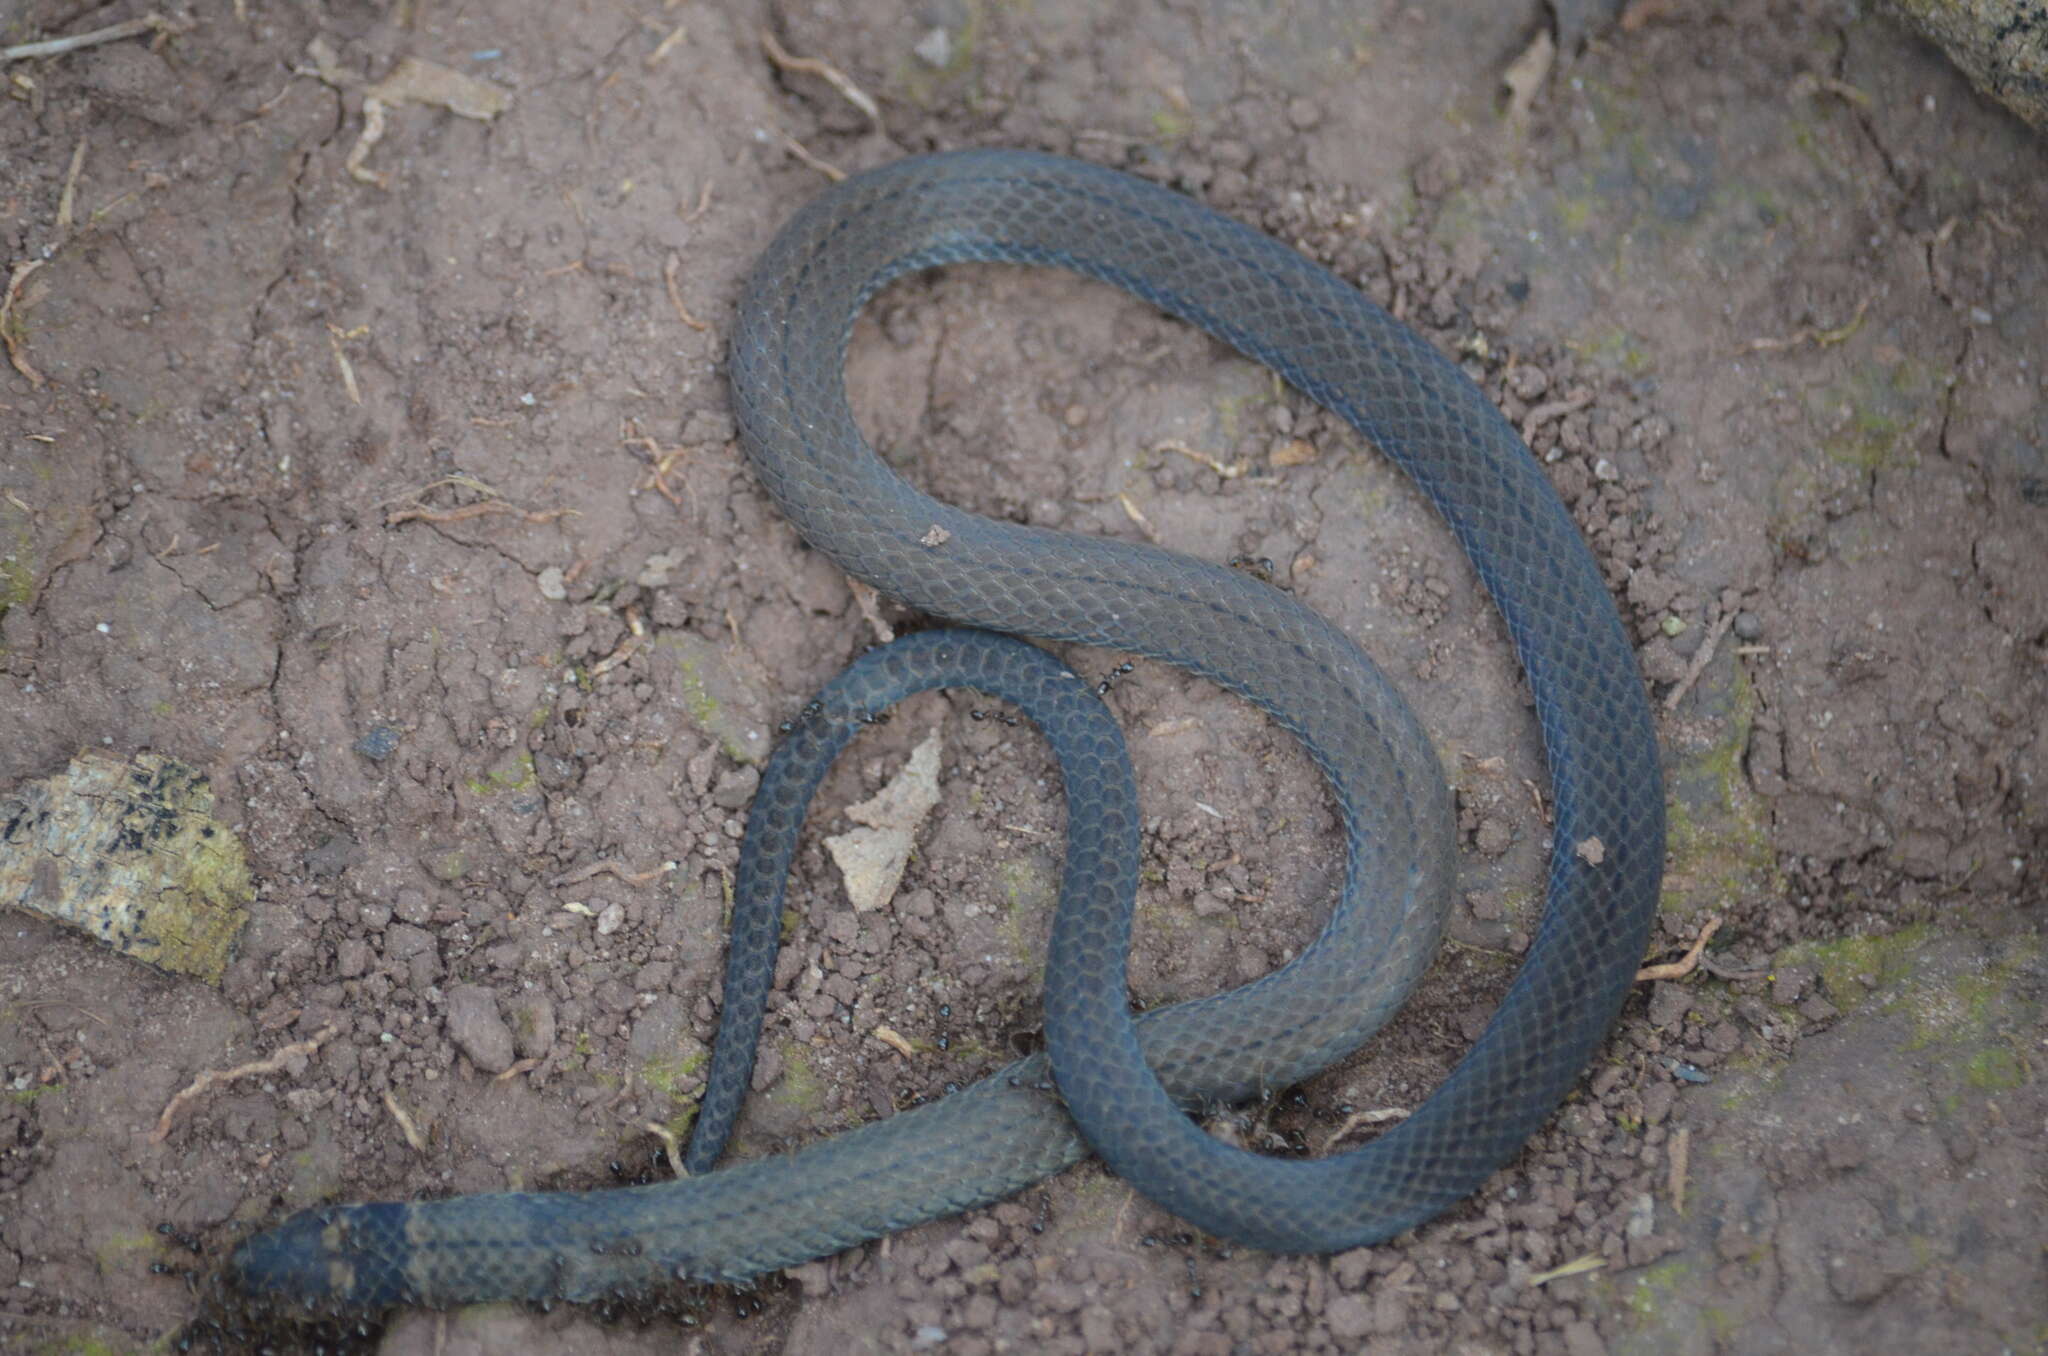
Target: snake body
(1126, 1082)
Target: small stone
(767, 1068)
(477, 1030)
(611, 919)
(935, 49)
(378, 742)
(1748, 626)
(1668, 1004)
(403, 941)
(1303, 113)
(1349, 1317)
(553, 584)
(1581, 1339)
(445, 863)
(413, 907)
(736, 786)
(653, 576)
(1661, 663)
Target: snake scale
(1127, 1083)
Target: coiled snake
(1011, 1129)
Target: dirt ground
(1766, 284)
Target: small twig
(796, 148)
(518, 1067)
(468, 511)
(825, 71)
(1680, 1154)
(67, 201)
(1812, 335)
(273, 1063)
(128, 28)
(1137, 515)
(661, 465)
(675, 296)
(889, 1036)
(623, 652)
(37, 1005)
(1358, 1120)
(671, 1147)
(1578, 1266)
(703, 203)
(406, 1124)
(611, 867)
(1228, 470)
(1701, 658)
(665, 46)
(336, 337)
(1685, 964)
(10, 333)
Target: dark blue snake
(1126, 1085)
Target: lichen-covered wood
(128, 851)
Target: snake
(1119, 1085)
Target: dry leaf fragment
(872, 858)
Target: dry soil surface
(408, 508)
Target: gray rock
(2002, 45)
(477, 1029)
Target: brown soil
(1766, 282)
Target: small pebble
(1748, 626)
(935, 49)
(476, 1028)
(378, 742)
(553, 585)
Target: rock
(935, 49)
(477, 1030)
(1580, 1339)
(1349, 1317)
(533, 1022)
(2002, 45)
